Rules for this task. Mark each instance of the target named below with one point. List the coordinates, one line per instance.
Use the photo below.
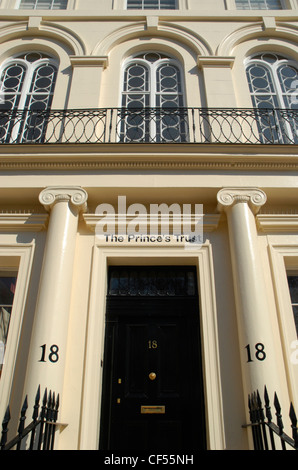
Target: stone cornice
(192, 15)
(277, 223)
(23, 222)
(139, 156)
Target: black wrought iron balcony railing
(150, 125)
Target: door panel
(153, 392)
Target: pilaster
(86, 84)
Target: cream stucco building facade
(82, 83)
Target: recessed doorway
(152, 380)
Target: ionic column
(255, 336)
(48, 345)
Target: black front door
(153, 392)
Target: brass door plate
(153, 409)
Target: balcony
(150, 125)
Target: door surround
(92, 378)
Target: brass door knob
(152, 376)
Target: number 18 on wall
(257, 352)
(49, 354)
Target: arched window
(27, 85)
(273, 84)
(153, 99)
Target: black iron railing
(266, 434)
(150, 125)
(40, 433)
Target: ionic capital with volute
(254, 197)
(76, 195)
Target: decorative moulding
(277, 222)
(91, 61)
(215, 61)
(70, 161)
(210, 221)
(36, 25)
(25, 222)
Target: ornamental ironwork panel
(150, 125)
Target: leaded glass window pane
(151, 281)
(42, 86)
(12, 81)
(288, 80)
(168, 86)
(151, 4)
(258, 4)
(261, 86)
(136, 86)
